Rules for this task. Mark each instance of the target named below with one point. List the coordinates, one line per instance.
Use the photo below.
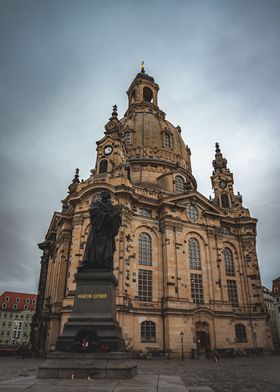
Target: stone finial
(75, 181)
(218, 150)
(115, 111)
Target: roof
(16, 301)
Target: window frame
(232, 292)
(148, 331)
(229, 262)
(145, 249)
(145, 285)
(179, 186)
(197, 288)
(240, 333)
(194, 254)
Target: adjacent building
(272, 316)
(16, 312)
(186, 265)
(276, 303)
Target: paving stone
(228, 375)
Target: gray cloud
(64, 64)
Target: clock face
(108, 150)
(222, 184)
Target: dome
(153, 144)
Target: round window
(192, 213)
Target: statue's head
(105, 196)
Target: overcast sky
(63, 64)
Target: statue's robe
(105, 221)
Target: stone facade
(186, 265)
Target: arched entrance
(202, 336)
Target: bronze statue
(105, 221)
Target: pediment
(193, 198)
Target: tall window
(148, 331)
(229, 264)
(103, 166)
(127, 137)
(232, 292)
(224, 201)
(194, 254)
(240, 333)
(145, 285)
(166, 140)
(147, 94)
(179, 184)
(196, 288)
(145, 249)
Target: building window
(196, 288)
(17, 300)
(4, 306)
(148, 331)
(25, 307)
(14, 306)
(27, 300)
(145, 212)
(229, 264)
(166, 140)
(147, 94)
(179, 184)
(145, 249)
(103, 166)
(232, 292)
(192, 212)
(7, 299)
(194, 254)
(224, 201)
(145, 285)
(34, 301)
(240, 333)
(127, 137)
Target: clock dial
(222, 184)
(108, 150)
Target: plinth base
(89, 365)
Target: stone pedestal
(91, 344)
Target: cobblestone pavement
(228, 375)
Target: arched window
(145, 249)
(147, 94)
(229, 264)
(148, 331)
(224, 201)
(179, 184)
(240, 333)
(194, 254)
(127, 137)
(166, 140)
(103, 166)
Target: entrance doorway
(202, 336)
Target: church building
(187, 268)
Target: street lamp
(182, 344)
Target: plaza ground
(238, 374)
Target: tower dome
(155, 148)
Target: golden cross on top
(142, 67)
